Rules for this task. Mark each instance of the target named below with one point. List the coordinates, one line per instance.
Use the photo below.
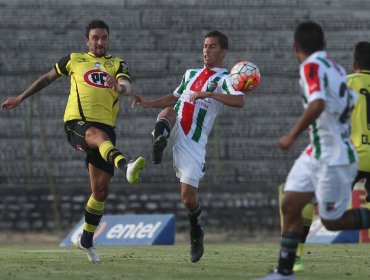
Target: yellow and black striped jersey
(360, 133)
(90, 98)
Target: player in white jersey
(326, 169)
(197, 101)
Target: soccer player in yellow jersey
(359, 81)
(97, 80)
(360, 134)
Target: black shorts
(76, 129)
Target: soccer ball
(245, 76)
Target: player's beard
(100, 52)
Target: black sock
(92, 220)
(122, 164)
(306, 231)
(288, 248)
(87, 239)
(194, 218)
(162, 127)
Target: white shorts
(188, 158)
(332, 185)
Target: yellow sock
(280, 199)
(110, 153)
(299, 250)
(94, 211)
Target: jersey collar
(322, 54)
(93, 55)
(365, 72)
(217, 69)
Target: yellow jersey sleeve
(360, 123)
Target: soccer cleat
(133, 169)
(158, 147)
(197, 249)
(277, 276)
(298, 265)
(91, 252)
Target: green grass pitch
(220, 261)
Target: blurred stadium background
(43, 181)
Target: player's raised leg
(97, 138)
(165, 121)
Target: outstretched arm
(237, 101)
(168, 100)
(312, 112)
(35, 87)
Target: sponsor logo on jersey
(203, 103)
(96, 78)
(108, 64)
(212, 86)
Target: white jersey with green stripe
(322, 78)
(196, 119)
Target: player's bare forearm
(168, 100)
(38, 85)
(35, 87)
(237, 101)
(123, 87)
(311, 113)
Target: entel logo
(96, 78)
(132, 231)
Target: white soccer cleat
(277, 276)
(133, 169)
(90, 252)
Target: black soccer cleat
(158, 147)
(197, 249)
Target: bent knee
(190, 202)
(169, 113)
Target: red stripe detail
(311, 73)
(309, 151)
(188, 108)
(187, 117)
(202, 79)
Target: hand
(11, 102)
(285, 142)
(139, 100)
(198, 95)
(112, 83)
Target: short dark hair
(222, 38)
(96, 24)
(310, 37)
(362, 55)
